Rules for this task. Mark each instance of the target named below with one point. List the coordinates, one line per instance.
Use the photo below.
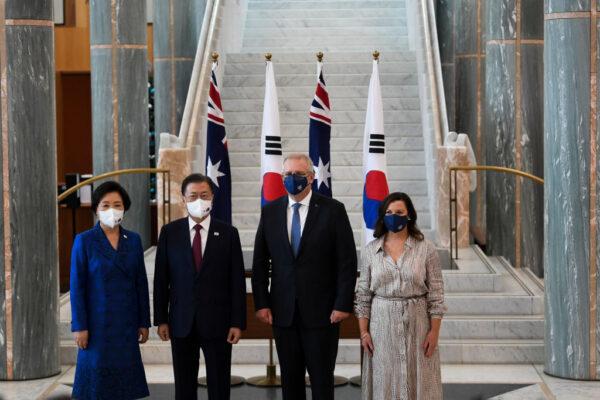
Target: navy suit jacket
(215, 298)
(323, 276)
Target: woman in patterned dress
(400, 305)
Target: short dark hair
(196, 178)
(106, 188)
(413, 230)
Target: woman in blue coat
(109, 303)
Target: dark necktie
(296, 229)
(197, 247)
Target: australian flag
(319, 137)
(217, 156)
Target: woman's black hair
(413, 230)
(106, 188)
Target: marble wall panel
(26, 9)
(532, 145)
(566, 196)
(500, 149)
(177, 27)
(561, 6)
(446, 40)
(120, 101)
(133, 137)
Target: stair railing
(196, 96)
(453, 197)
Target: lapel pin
(125, 236)
(216, 233)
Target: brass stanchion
(271, 379)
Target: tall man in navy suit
(200, 292)
(305, 241)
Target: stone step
(298, 117)
(244, 205)
(457, 282)
(408, 157)
(338, 131)
(317, 14)
(256, 105)
(316, 42)
(339, 147)
(251, 351)
(309, 66)
(340, 188)
(365, 49)
(323, 5)
(307, 92)
(324, 31)
(493, 327)
(342, 173)
(332, 57)
(294, 80)
(356, 22)
(493, 304)
(249, 221)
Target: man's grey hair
(301, 156)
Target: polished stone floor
(451, 392)
(461, 382)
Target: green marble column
(29, 345)
(120, 100)
(513, 126)
(571, 189)
(177, 27)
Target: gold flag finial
(376, 55)
(320, 56)
(268, 56)
(215, 56)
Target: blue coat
(109, 299)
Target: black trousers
(186, 362)
(301, 349)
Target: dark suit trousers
(186, 362)
(301, 349)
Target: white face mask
(111, 217)
(199, 208)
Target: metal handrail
(199, 80)
(453, 212)
(166, 184)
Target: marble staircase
(495, 316)
(347, 32)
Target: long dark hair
(413, 230)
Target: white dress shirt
(303, 210)
(203, 232)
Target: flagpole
(234, 380)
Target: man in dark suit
(305, 241)
(200, 292)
